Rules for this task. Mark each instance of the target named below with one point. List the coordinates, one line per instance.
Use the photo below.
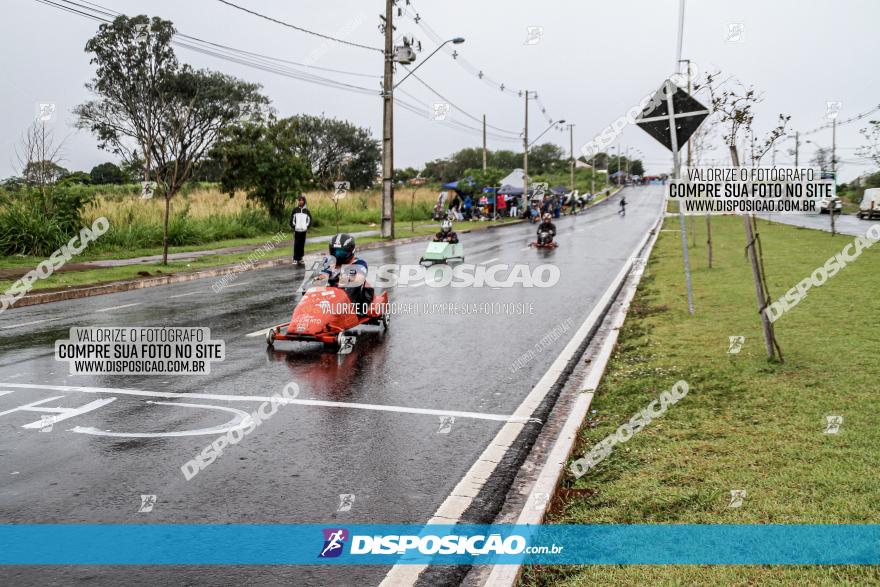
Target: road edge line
(554, 465)
(460, 498)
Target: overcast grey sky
(594, 62)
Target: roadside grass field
(283, 249)
(746, 423)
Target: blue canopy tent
(467, 185)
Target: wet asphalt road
(293, 467)
(847, 224)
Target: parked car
(824, 205)
(870, 206)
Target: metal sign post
(671, 118)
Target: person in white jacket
(300, 219)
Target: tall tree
(262, 160)
(148, 104)
(39, 157)
(335, 150)
(107, 173)
(871, 150)
(735, 108)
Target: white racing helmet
(446, 225)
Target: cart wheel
(385, 320)
(270, 338)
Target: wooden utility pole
(833, 170)
(388, 126)
(571, 152)
(484, 143)
(526, 153)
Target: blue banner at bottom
(315, 544)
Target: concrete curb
(534, 508)
(33, 299)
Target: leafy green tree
(404, 175)
(107, 173)
(76, 178)
(133, 169)
(636, 167)
(335, 150)
(262, 160)
(506, 160)
(547, 158)
(149, 105)
(482, 179)
(43, 172)
(208, 169)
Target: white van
(870, 206)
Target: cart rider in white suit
(300, 219)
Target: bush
(33, 223)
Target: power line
(108, 12)
(842, 122)
(220, 51)
(300, 29)
(257, 61)
(463, 62)
(422, 110)
(471, 116)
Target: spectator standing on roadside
(501, 205)
(300, 219)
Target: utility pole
(571, 152)
(388, 126)
(834, 148)
(593, 174)
(797, 146)
(526, 153)
(484, 142)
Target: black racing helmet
(342, 248)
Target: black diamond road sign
(686, 112)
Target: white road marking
(525, 248)
(240, 420)
(554, 463)
(493, 259)
(118, 307)
(277, 399)
(20, 324)
(462, 496)
(237, 284)
(192, 293)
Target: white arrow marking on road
(241, 420)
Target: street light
(388, 86)
(454, 41)
(552, 124)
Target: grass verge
(746, 423)
(108, 274)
